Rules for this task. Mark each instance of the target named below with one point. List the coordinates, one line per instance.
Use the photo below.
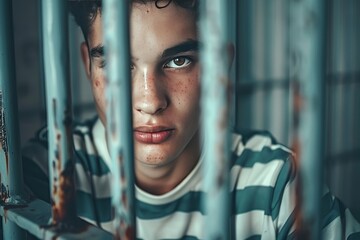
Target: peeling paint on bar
(11, 178)
(119, 115)
(307, 70)
(59, 117)
(3, 137)
(215, 117)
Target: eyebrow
(189, 45)
(97, 51)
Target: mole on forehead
(143, 7)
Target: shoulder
(263, 180)
(35, 151)
(260, 163)
(258, 150)
(337, 220)
(38, 144)
(84, 127)
(35, 159)
(79, 128)
(89, 144)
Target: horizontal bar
(119, 114)
(35, 218)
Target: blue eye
(178, 62)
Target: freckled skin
(162, 96)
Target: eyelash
(188, 60)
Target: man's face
(165, 82)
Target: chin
(153, 160)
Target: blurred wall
(265, 93)
(29, 72)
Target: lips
(152, 134)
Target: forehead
(147, 19)
(149, 22)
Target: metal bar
(268, 59)
(232, 38)
(12, 231)
(245, 42)
(349, 90)
(119, 115)
(59, 115)
(215, 117)
(35, 218)
(307, 48)
(11, 178)
(75, 66)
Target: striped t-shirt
(262, 191)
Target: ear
(86, 59)
(231, 53)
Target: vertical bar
(215, 117)
(232, 38)
(307, 48)
(74, 63)
(59, 114)
(245, 59)
(119, 114)
(258, 65)
(11, 179)
(12, 231)
(268, 59)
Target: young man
(168, 159)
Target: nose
(149, 93)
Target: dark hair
(85, 11)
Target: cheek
(186, 93)
(98, 88)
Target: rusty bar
(215, 117)
(11, 167)
(11, 178)
(307, 71)
(119, 114)
(59, 114)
